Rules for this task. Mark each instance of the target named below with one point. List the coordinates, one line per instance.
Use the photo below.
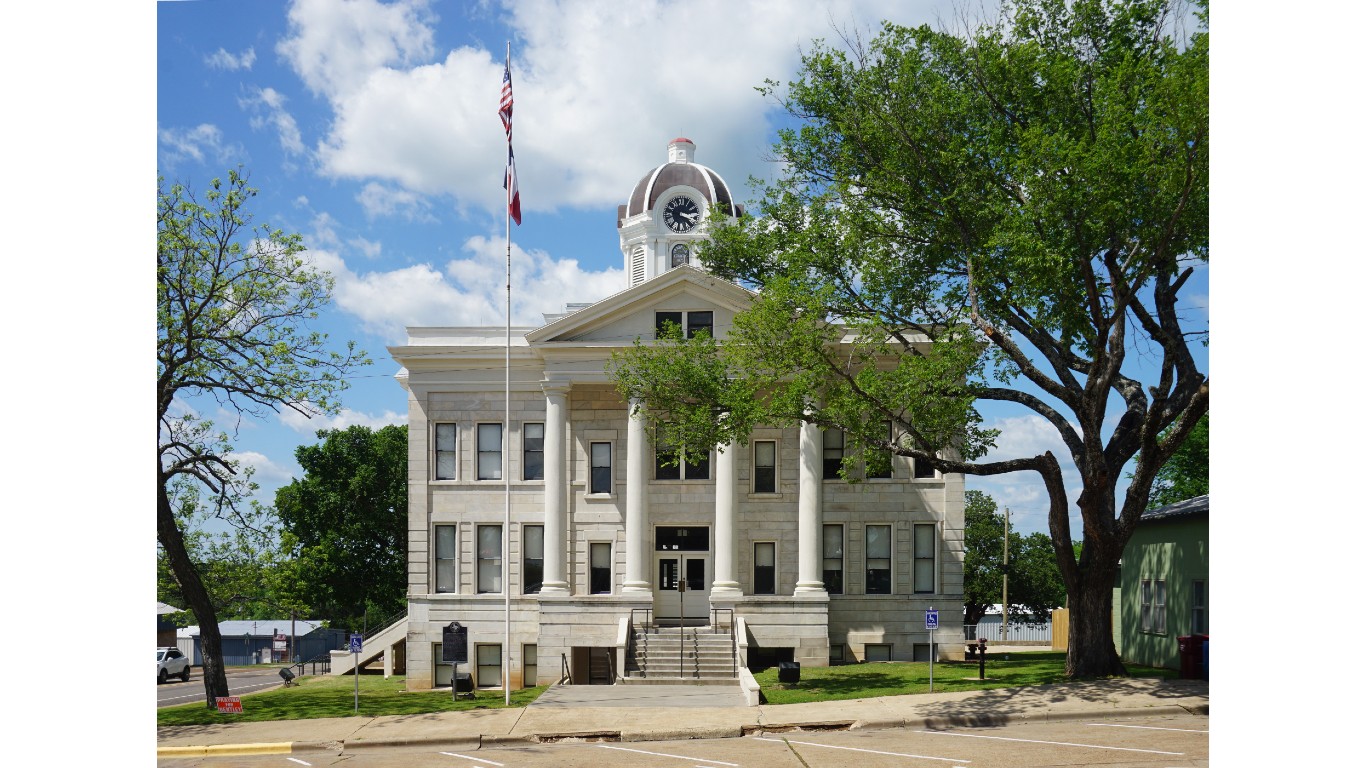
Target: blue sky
(371, 129)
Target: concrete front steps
(383, 643)
(707, 657)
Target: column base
(810, 588)
(555, 589)
(726, 590)
(635, 587)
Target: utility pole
(1005, 581)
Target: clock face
(681, 214)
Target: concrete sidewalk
(471, 730)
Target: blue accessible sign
(932, 619)
(355, 644)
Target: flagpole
(507, 441)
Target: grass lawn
(326, 696)
(860, 681)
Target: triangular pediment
(623, 317)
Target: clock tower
(665, 217)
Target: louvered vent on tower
(638, 265)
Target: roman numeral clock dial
(681, 214)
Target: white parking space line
(870, 751)
(665, 754)
(1053, 743)
(475, 759)
(1147, 727)
(297, 760)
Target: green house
(1164, 583)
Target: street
(241, 680)
(1151, 742)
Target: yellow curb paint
(275, 748)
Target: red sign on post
(229, 705)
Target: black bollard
(982, 658)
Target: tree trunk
(192, 589)
(1090, 637)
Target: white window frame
(480, 587)
(529, 681)
(611, 468)
(437, 560)
(611, 567)
(443, 672)
(1160, 607)
(844, 588)
(891, 457)
(479, 452)
(479, 667)
(891, 558)
(1145, 603)
(827, 448)
(453, 451)
(683, 320)
(526, 451)
(754, 468)
(774, 545)
(1199, 619)
(916, 558)
(527, 528)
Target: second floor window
(832, 558)
(490, 452)
(533, 554)
(765, 466)
(445, 558)
(832, 453)
(879, 539)
(600, 473)
(490, 559)
(445, 452)
(533, 451)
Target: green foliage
(1035, 585)
(1186, 473)
(999, 216)
(346, 523)
(328, 696)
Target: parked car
(171, 663)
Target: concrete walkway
(660, 719)
(641, 696)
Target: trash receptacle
(462, 683)
(789, 671)
(1188, 648)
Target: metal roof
(163, 609)
(1198, 505)
(255, 627)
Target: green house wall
(1177, 551)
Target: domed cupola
(666, 213)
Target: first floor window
(1198, 625)
(445, 452)
(1160, 607)
(490, 452)
(877, 652)
(533, 451)
(489, 659)
(765, 568)
(832, 453)
(832, 562)
(600, 568)
(533, 554)
(490, 559)
(442, 671)
(923, 471)
(445, 558)
(879, 539)
(765, 466)
(600, 473)
(528, 666)
(924, 558)
(691, 467)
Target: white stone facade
(617, 524)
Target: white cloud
(346, 418)
(600, 90)
(267, 472)
(1024, 492)
(223, 60)
(267, 106)
(368, 248)
(379, 201)
(200, 143)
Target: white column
(637, 533)
(809, 511)
(724, 583)
(556, 484)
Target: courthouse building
(781, 560)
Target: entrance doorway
(682, 553)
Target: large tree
(234, 308)
(1035, 584)
(1009, 215)
(346, 521)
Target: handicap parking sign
(355, 643)
(932, 619)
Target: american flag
(510, 177)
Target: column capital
(553, 387)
